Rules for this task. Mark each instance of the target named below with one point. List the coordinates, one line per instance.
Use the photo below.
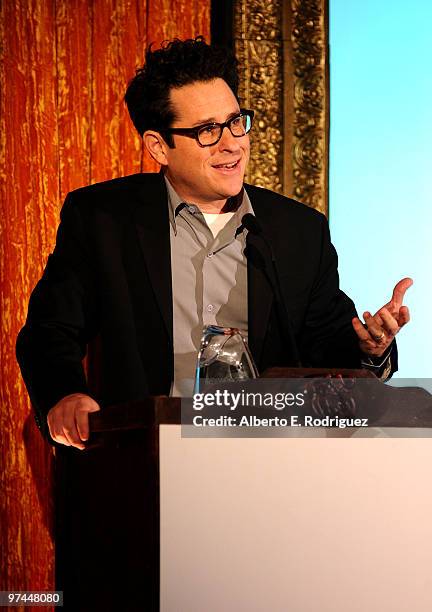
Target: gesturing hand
(68, 419)
(378, 331)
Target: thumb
(92, 406)
(400, 290)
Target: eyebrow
(213, 120)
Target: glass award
(223, 356)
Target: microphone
(251, 223)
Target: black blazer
(108, 283)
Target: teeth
(227, 165)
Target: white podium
(295, 524)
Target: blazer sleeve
(60, 321)
(328, 338)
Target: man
(142, 262)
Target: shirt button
(192, 209)
(210, 254)
(210, 308)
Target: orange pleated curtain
(65, 67)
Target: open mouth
(227, 167)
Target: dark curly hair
(177, 63)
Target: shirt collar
(176, 204)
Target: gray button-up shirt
(209, 281)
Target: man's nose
(228, 141)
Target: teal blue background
(380, 160)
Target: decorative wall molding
(309, 34)
(282, 49)
(259, 49)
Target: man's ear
(156, 146)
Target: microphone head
(251, 223)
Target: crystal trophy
(223, 356)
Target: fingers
(69, 429)
(399, 291)
(377, 333)
(82, 424)
(389, 324)
(57, 433)
(379, 330)
(404, 316)
(374, 326)
(363, 333)
(68, 419)
(81, 416)
(385, 321)
(382, 327)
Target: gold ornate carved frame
(282, 46)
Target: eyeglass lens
(238, 126)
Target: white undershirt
(217, 221)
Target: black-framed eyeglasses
(210, 133)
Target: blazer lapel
(152, 225)
(260, 295)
